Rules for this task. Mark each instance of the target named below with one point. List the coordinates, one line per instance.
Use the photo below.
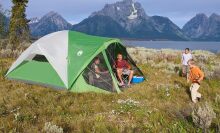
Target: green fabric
(81, 86)
(37, 72)
(91, 46)
(88, 46)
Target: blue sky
(179, 11)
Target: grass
(163, 105)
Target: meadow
(160, 104)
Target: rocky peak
(215, 16)
(201, 15)
(50, 22)
(52, 15)
(127, 13)
(203, 27)
(122, 9)
(34, 20)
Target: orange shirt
(195, 74)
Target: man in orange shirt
(196, 76)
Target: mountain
(197, 26)
(203, 28)
(101, 26)
(49, 23)
(127, 13)
(213, 33)
(168, 29)
(133, 21)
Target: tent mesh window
(98, 74)
(40, 58)
(112, 52)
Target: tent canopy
(59, 60)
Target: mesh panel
(112, 52)
(40, 58)
(98, 75)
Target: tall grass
(160, 104)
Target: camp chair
(124, 76)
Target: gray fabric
(185, 69)
(100, 80)
(126, 72)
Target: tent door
(103, 80)
(111, 71)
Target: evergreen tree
(2, 24)
(18, 28)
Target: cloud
(75, 11)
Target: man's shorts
(185, 69)
(126, 72)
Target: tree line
(15, 28)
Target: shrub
(3, 43)
(203, 115)
(8, 53)
(217, 73)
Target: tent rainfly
(63, 60)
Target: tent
(63, 59)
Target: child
(196, 76)
(186, 56)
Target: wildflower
(17, 115)
(51, 128)
(168, 94)
(128, 102)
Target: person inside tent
(102, 75)
(123, 68)
(97, 69)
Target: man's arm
(182, 58)
(97, 70)
(114, 65)
(191, 56)
(201, 76)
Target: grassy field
(160, 104)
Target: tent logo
(79, 53)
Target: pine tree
(18, 28)
(2, 27)
(4, 21)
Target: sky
(179, 11)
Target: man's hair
(192, 61)
(96, 58)
(187, 49)
(119, 54)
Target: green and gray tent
(63, 60)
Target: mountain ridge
(203, 28)
(133, 18)
(51, 22)
(128, 19)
